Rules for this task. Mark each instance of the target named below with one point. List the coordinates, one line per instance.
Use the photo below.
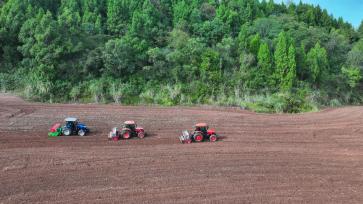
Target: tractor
(128, 130)
(72, 127)
(201, 132)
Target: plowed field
(261, 158)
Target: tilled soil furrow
(260, 158)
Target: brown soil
(261, 158)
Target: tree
(181, 12)
(242, 38)
(285, 60)
(227, 50)
(70, 23)
(264, 63)
(13, 14)
(281, 58)
(123, 56)
(212, 31)
(360, 30)
(254, 44)
(92, 23)
(317, 61)
(264, 58)
(209, 66)
(229, 18)
(73, 6)
(355, 56)
(41, 50)
(119, 15)
(270, 9)
(147, 24)
(290, 76)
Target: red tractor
(201, 132)
(128, 130)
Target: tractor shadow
(147, 136)
(94, 133)
(150, 135)
(221, 138)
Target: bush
(9, 82)
(278, 103)
(96, 89)
(119, 91)
(75, 93)
(162, 94)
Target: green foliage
(353, 75)
(75, 93)
(290, 76)
(264, 64)
(209, 67)
(360, 29)
(97, 89)
(317, 61)
(181, 11)
(285, 59)
(147, 23)
(256, 54)
(254, 44)
(119, 14)
(355, 56)
(281, 57)
(119, 90)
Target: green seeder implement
(55, 130)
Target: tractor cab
(71, 123)
(202, 127)
(130, 125)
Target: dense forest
(254, 54)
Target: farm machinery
(201, 132)
(72, 127)
(128, 130)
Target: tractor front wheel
(198, 137)
(141, 135)
(126, 135)
(213, 138)
(81, 133)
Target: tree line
(256, 54)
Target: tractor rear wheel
(198, 137)
(126, 135)
(213, 138)
(141, 135)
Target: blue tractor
(74, 127)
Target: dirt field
(306, 158)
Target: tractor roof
(71, 119)
(201, 125)
(130, 122)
